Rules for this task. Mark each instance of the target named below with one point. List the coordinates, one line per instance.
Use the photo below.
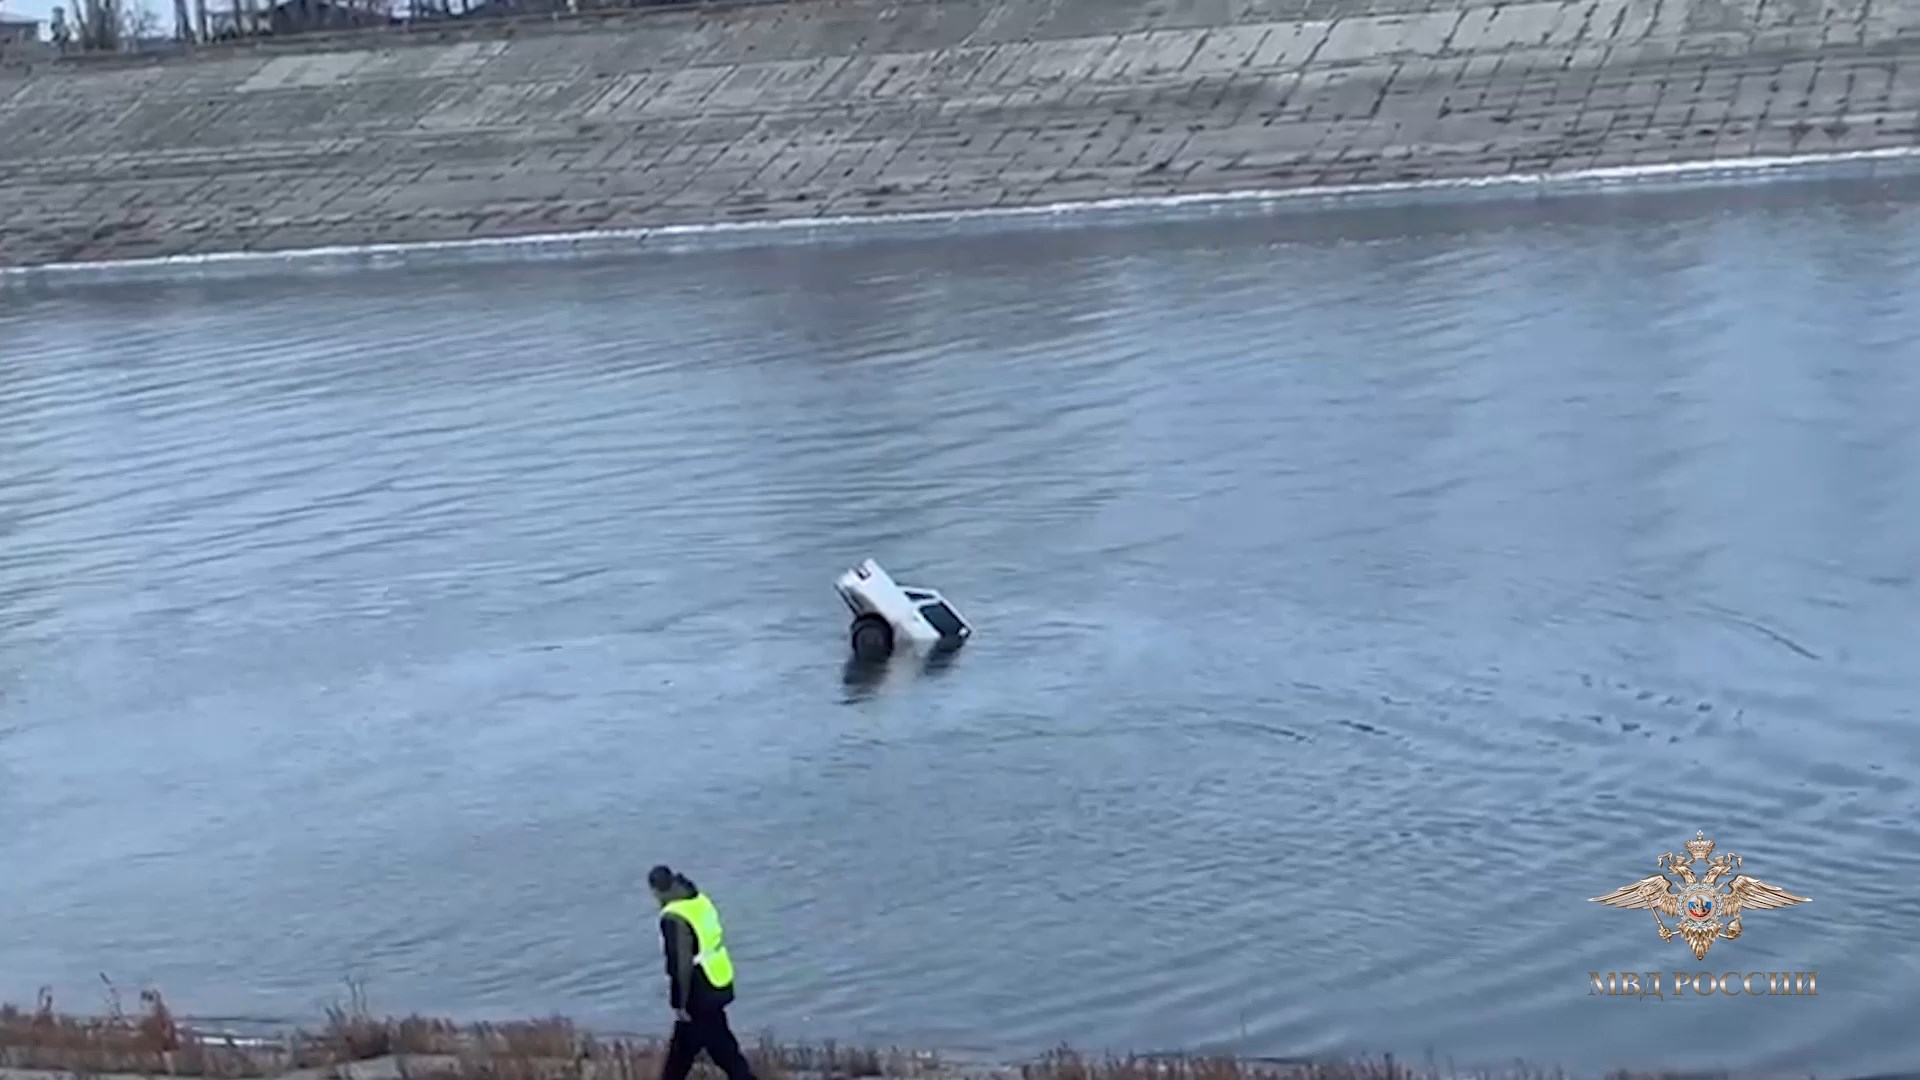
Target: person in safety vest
(699, 978)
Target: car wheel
(872, 638)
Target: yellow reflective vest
(710, 943)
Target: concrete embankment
(831, 107)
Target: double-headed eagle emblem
(1705, 911)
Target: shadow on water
(863, 678)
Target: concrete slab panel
(1149, 55)
(276, 73)
(623, 96)
(1369, 36)
(1892, 19)
(1637, 24)
(685, 91)
(1521, 25)
(1001, 60)
(1591, 23)
(466, 58)
(771, 84)
(948, 75)
(937, 73)
(482, 106)
(1045, 62)
(1009, 23)
(1290, 45)
(1228, 49)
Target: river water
(1356, 597)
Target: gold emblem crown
(1700, 847)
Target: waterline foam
(1852, 164)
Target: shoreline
(355, 1044)
(822, 111)
(1883, 163)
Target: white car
(887, 614)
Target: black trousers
(707, 1030)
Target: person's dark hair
(661, 878)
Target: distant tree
(138, 22)
(111, 25)
(97, 25)
(245, 19)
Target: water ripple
(1352, 608)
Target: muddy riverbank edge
(351, 1043)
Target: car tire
(872, 638)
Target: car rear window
(941, 618)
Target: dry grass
(152, 1043)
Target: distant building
(15, 30)
(299, 16)
(494, 9)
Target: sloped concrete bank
(819, 108)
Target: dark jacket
(678, 942)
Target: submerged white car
(887, 615)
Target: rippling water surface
(1355, 599)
